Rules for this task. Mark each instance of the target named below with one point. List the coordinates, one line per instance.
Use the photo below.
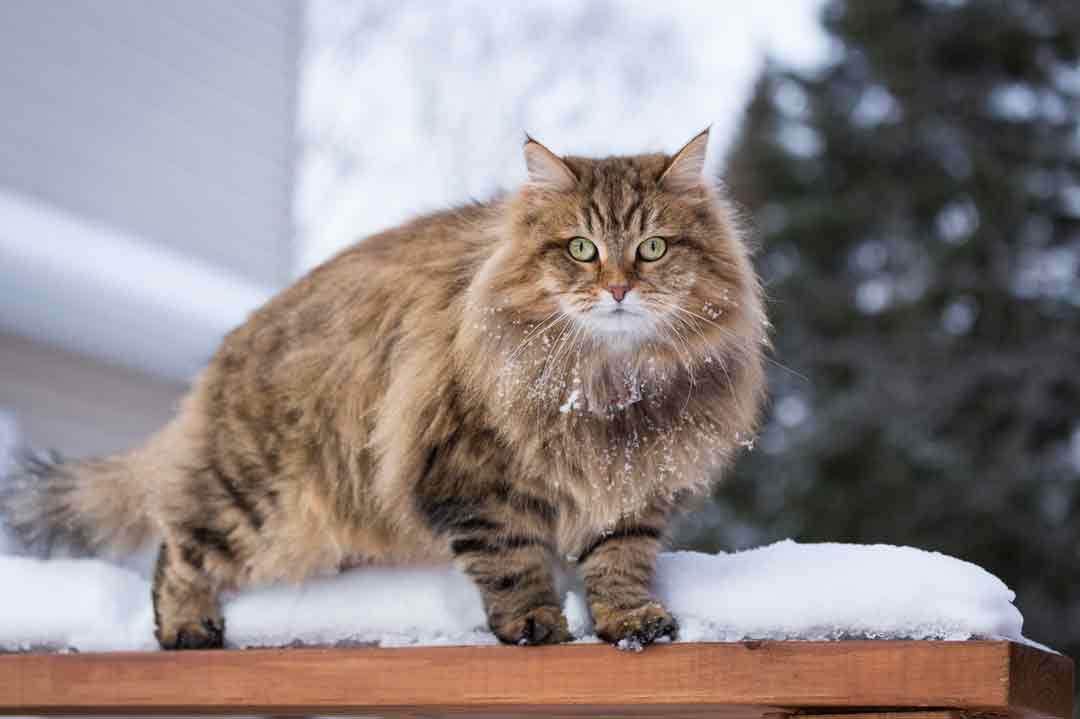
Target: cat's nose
(618, 291)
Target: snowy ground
(783, 591)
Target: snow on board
(782, 591)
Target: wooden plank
(732, 680)
(912, 714)
(1040, 683)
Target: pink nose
(618, 291)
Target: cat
(547, 375)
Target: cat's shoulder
(463, 222)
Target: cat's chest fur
(613, 439)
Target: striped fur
(420, 397)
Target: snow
(86, 605)
(835, 591)
(783, 591)
(571, 402)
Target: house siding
(173, 121)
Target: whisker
(560, 349)
(543, 325)
(740, 342)
(678, 336)
(745, 346)
(688, 363)
(548, 361)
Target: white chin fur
(628, 325)
(625, 322)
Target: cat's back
(370, 289)
(438, 245)
(325, 350)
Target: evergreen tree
(917, 208)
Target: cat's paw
(542, 625)
(633, 629)
(207, 633)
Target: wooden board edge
(986, 677)
(1042, 685)
(903, 714)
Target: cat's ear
(546, 169)
(687, 168)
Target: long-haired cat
(547, 375)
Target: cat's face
(629, 248)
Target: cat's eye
(581, 249)
(652, 249)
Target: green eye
(581, 249)
(652, 249)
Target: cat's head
(628, 249)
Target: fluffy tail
(79, 508)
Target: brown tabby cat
(548, 374)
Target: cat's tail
(75, 508)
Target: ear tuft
(546, 169)
(687, 168)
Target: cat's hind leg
(214, 524)
(187, 614)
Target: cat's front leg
(513, 569)
(502, 536)
(618, 568)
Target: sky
(407, 106)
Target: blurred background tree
(917, 207)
